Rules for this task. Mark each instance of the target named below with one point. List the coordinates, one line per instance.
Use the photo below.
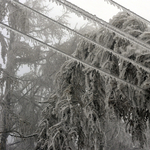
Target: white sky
(101, 9)
(105, 11)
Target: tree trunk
(7, 95)
(3, 140)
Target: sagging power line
(104, 73)
(128, 11)
(84, 37)
(103, 23)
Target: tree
(22, 98)
(90, 110)
(27, 94)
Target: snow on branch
(128, 11)
(74, 58)
(19, 135)
(95, 19)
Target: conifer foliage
(86, 104)
(101, 94)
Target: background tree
(23, 96)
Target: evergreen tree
(93, 111)
(89, 108)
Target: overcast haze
(101, 9)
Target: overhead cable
(103, 23)
(102, 72)
(86, 38)
(128, 11)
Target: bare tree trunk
(4, 136)
(5, 115)
(7, 95)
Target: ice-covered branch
(88, 16)
(104, 73)
(128, 11)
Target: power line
(128, 11)
(103, 23)
(86, 38)
(76, 59)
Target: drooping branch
(74, 58)
(103, 23)
(128, 11)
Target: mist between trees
(85, 88)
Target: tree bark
(7, 95)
